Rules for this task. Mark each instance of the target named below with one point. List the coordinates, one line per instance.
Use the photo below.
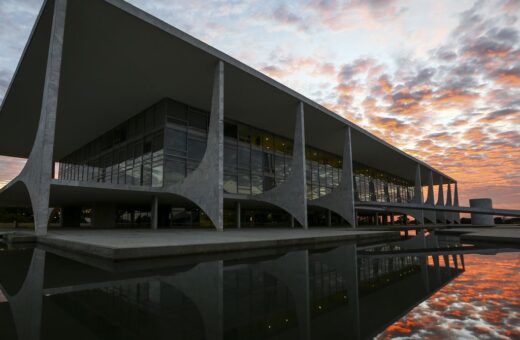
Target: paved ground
(502, 234)
(122, 244)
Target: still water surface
(423, 287)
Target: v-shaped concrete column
(441, 216)
(456, 203)
(291, 195)
(38, 170)
(341, 199)
(449, 214)
(204, 185)
(418, 196)
(430, 200)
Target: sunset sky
(482, 303)
(438, 79)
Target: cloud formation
(482, 303)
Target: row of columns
(451, 200)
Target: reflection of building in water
(389, 286)
(299, 295)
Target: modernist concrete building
(125, 119)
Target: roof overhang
(118, 60)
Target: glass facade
(186, 133)
(164, 143)
(131, 153)
(254, 161)
(375, 185)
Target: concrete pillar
(104, 215)
(37, 173)
(418, 196)
(291, 195)
(440, 201)
(456, 215)
(430, 215)
(341, 200)
(291, 222)
(377, 218)
(481, 219)
(204, 186)
(70, 217)
(449, 214)
(239, 215)
(155, 213)
(431, 199)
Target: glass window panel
(256, 161)
(230, 130)
(244, 134)
(230, 184)
(244, 156)
(268, 183)
(267, 142)
(256, 138)
(196, 148)
(230, 157)
(256, 184)
(175, 169)
(244, 183)
(268, 163)
(175, 142)
(197, 120)
(279, 166)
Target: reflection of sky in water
(484, 302)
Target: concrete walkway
(125, 244)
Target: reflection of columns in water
(27, 304)
(437, 267)
(344, 260)
(446, 261)
(204, 286)
(424, 272)
(293, 270)
(455, 262)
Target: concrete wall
(484, 203)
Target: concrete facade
(480, 219)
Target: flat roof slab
(128, 244)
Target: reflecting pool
(421, 287)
